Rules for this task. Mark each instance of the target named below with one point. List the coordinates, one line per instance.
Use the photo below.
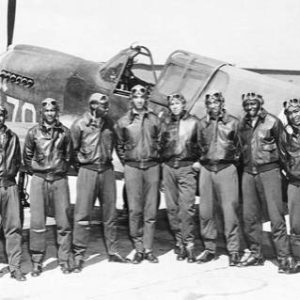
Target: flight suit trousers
(294, 212)
(219, 187)
(49, 198)
(258, 190)
(90, 186)
(180, 190)
(142, 187)
(10, 219)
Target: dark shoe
(36, 270)
(78, 265)
(252, 260)
(181, 255)
(138, 258)
(65, 268)
(234, 259)
(206, 256)
(296, 268)
(116, 257)
(151, 257)
(190, 255)
(291, 265)
(18, 275)
(286, 265)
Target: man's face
(50, 115)
(293, 115)
(214, 106)
(99, 107)
(2, 119)
(251, 107)
(138, 102)
(176, 106)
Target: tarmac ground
(169, 279)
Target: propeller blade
(11, 12)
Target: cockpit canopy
(186, 73)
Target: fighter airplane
(29, 74)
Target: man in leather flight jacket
(94, 139)
(179, 152)
(10, 161)
(220, 151)
(138, 149)
(291, 144)
(260, 134)
(47, 157)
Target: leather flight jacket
(93, 142)
(10, 157)
(219, 142)
(291, 161)
(48, 151)
(261, 146)
(138, 139)
(179, 146)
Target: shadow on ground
(96, 252)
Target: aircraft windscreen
(112, 71)
(193, 81)
(188, 81)
(170, 80)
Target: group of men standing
(230, 154)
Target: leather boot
(252, 260)
(191, 258)
(206, 256)
(234, 259)
(65, 267)
(36, 269)
(151, 257)
(18, 275)
(181, 255)
(78, 265)
(138, 258)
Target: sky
(247, 33)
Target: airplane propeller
(11, 12)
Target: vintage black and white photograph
(149, 149)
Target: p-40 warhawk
(29, 74)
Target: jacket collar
(91, 121)
(261, 116)
(133, 113)
(57, 125)
(184, 114)
(294, 130)
(4, 129)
